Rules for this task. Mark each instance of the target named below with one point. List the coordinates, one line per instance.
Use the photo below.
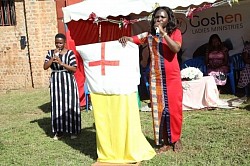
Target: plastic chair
(231, 78)
(195, 62)
(238, 64)
(87, 95)
(200, 57)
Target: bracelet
(165, 34)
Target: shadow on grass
(85, 142)
(152, 142)
(247, 107)
(45, 107)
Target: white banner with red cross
(111, 68)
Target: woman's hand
(57, 51)
(123, 40)
(161, 30)
(57, 60)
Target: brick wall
(17, 71)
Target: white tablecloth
(202, 93)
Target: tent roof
(105, 8)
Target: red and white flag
(111, 68)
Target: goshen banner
(232, 24)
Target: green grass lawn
(210, 137)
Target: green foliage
(210, 137)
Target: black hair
(214, 36)
(60, 35)
(171, 25)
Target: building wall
(23, 69)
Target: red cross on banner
(103, 62)
(111, 68)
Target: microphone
(157, 30)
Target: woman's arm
(226, 56)
(47, 64)
(48, 60)
(68, 67)
(207, 57)
(245, 57)
(173, 45)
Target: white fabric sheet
(121, 78)
(202, 93)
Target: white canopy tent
(115, 8)
(136, 10)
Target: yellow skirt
(118, 129)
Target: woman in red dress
(164, 42)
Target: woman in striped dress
(65, 105)
(164, 42)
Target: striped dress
(65, 105)
(165, 87)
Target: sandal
(163, 149)
(58, 136)
(177, 146)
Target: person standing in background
(166, 93)
(65, 105)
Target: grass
(210, 137)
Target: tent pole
(100, 34)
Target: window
(7, 13)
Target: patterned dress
(165, 87)
(244, 78)
(65, 106)
(219, 73)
